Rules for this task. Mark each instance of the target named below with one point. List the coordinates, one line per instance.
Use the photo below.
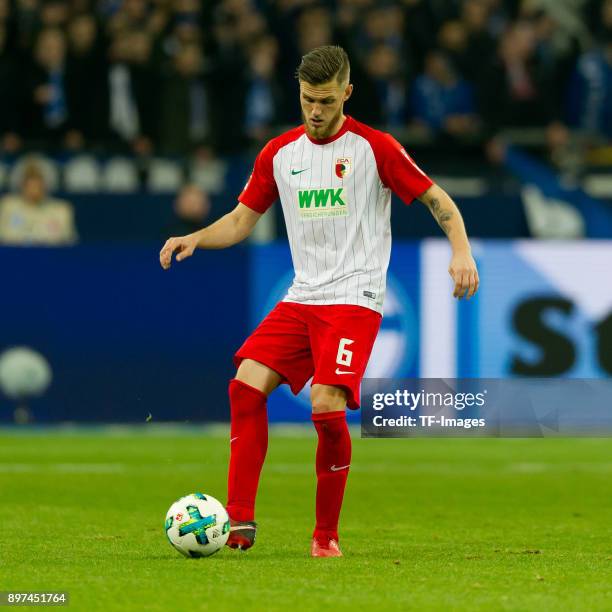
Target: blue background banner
(543, 310)
(125, 339)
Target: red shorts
(330, 343)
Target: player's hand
(183, 246)
(464, 273)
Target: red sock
(333, 461)
(248, 446)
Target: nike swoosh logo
(234, 439)
(294, 172)
(339, 371)
(333, 468)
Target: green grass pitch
(426, 525)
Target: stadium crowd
(175, 76)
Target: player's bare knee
(258, 375)
(326, 398)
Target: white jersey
(336, 198)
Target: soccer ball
(197, 525)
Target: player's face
(322, 107)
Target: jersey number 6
(344, 356)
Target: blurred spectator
(556, 51)
(11, 97)
(87, 83)
(590, 90)
(191, 209)
(250, 24)
(170, 76)
(515, 88)
(32, 217)
(501, 14)
(27, 23)
(314, 29)
(480, 43)
(46, 91)
(419, 30)
(263, 93)
(383, 24)
(134, 91)
(182, 120)
(226, 83)
(383, 65)
(185, 28)
(441, 100)
(453, 40)
(131, 15)
(54, 13)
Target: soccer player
(334, 177)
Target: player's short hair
(323, 64)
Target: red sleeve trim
(397, 170)
(261, 191)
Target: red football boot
(320, 549)
(242, 534)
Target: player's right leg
(277, 351)
(248, 393)
(258, 376)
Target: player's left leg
(342, 337)
(332, 465)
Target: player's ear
(348, 91)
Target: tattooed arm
(447, 215)
(462, 267)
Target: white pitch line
(307, 468)
(65, 468)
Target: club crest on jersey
(343, 167)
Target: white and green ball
(197, 525)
